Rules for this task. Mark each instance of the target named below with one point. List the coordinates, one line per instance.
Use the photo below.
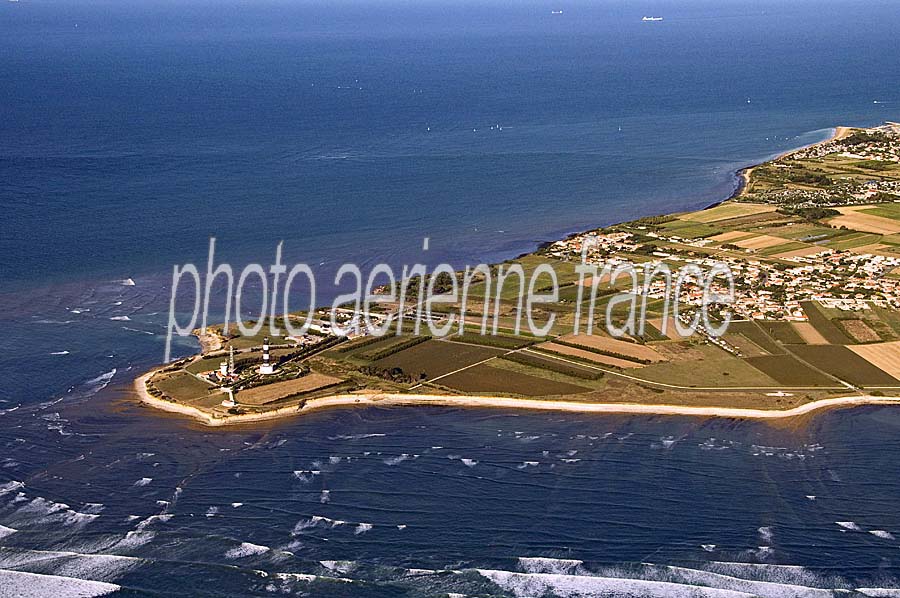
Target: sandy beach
(488, 402)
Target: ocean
(132, 133)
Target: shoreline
(743, 174)
(485, 402)
(364, 399)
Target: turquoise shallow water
(351, 132)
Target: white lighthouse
(266, 366)
(226, 368)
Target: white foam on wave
(92, 387)
(325, 497)
(305, 475)
(99, 567)
(10, 487)
(396, 460)
(236, 505)
(526, 464)
(849, 525)
(40, 506)
(527, 585)
(362, 528)
(120, 318)
(5, 531)
(35, 585)
(882, 534)
(103, 378)
(796, 575)
(765, 533)
(143, 482)
(153, 519)
(355, 436)
(137, 330)
(60, 353)
(879, 592)
(540, 564)
(93, 507)
(70, 517)
(668, 442)
(212, 511)
(338, 566)
(765, 588)
(315, 521)
(246, 549)
(134, 539)
(306, 577)
(469, 462)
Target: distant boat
(646, 19)
(556, 12)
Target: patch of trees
(862, 137)
(395, 374)
(443, 283)
(808, 177)
(654, 220)
(808, 213)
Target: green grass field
(885, 210)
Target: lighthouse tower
(266, 366)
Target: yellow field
(874, 249)
(809, 333)
(853, 218)
(270, 392)
(730, 236)
(605, 343)
(760, 242)
(884, 356)
(671, 331)
(590, 356)
(728, 210)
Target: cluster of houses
(763, 290)
(886, 150)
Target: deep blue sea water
(131, 133)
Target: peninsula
(813, 240)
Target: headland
(813, 240)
